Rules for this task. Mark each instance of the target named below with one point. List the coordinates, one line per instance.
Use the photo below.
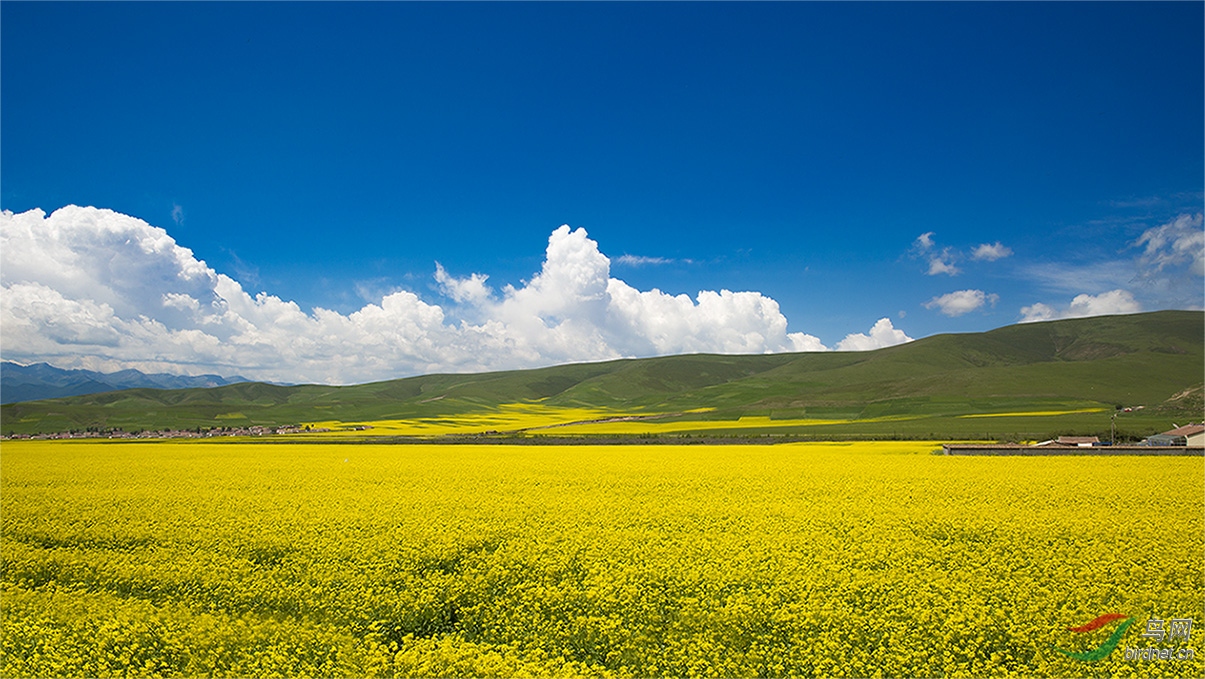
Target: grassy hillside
(926, 387)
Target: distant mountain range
(42, 380)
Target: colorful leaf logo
(1100, 652)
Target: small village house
(1071, 442)
(1191, 435)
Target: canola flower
(851, 560)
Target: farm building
(1072, 441)
(1192, 435)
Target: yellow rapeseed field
(505, 417)
(883, 559)
(536, 418)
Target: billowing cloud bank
(85, 287)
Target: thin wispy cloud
(1077, 277)
(639, 260)
(1172, 200)
(246, 273)
(1142, 202)
(1180, 242)
(373, 289)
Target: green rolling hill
(924, 388)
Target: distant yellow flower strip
(1037, 413)
(506, 418)
(537, 419)
(853, 560)
(682, 426)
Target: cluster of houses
(168, 433)
(1186, 440)
(1190, 435)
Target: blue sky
(950, 167)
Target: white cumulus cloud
(882, 334)
(472, 289)
(1104, 304)
(92, 288)
(943, 263)
(939, 262)
(961, 302)
(990, 252)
